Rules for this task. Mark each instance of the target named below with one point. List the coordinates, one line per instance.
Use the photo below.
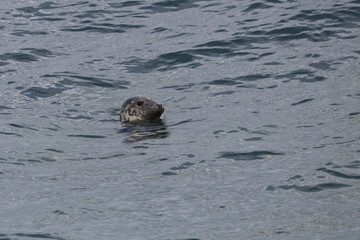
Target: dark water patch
(22, 126)
(272, 63)
(159, 29)
(248, 156)
(253, 139)
(140, 131)
(80, 28)
(179, 87)
(53, 150)
(126, 4)
(354, 113)
(353, 165)
(256, 6)
(40, 52)
(253, 77)
(225, 81)
(182, 166)
(168, 173)
(312, 55)
(72, 79)
(217, 43)
(305, 126)
(42, 92)
(313, 79)
(302, 75)
(11, 134)
(50, 19)
(85, 136)
(322, 65)
(290, 30)
(16, 236)
(19, 57)
(113, 156)
(5, 108)
(236, 42)
(221, 93)
(28, 9)
(239, 80)
(190, 238)
(78, 117)
(339, 174)
(21, 33)
(170, 6)
(296, 177)
(164, 62)
(310, 189)
(212, 52)
(303, 101)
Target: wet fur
(140, 109)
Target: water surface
(259, 140)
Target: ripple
(126, 4)
(11, 134)
(248, 156)
(182, 166)
(19, 57)
(256, 6)
(309, 188)
(21, 33)
(101, 28)
(303, 101)
(42, 92)
(30, 235)
(85, 136)
(339, 174)
(170, 6)
(164, 62)
(68, 79)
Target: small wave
(339, 174)
(30, 235)
(164, 62)
(11, 134)
(21, 33)
(170, 6)
(126, 4)
(309, 188)
(302, 75)
(42, 92)
(256, 6)
(85, 136)
(68, 79)
(248, 156)
(303, 101)
(101, 28)
(19, 57)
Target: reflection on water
(139, 131)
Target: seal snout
(161, 108)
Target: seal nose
(161, 108)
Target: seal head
(140, 109)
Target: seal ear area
(139, 103)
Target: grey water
(260, 138)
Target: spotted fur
(140, 109)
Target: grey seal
(140, 109)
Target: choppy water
(260, 138)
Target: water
(260, 137)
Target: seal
(140, 109)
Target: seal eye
(139, 103)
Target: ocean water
(260, 138)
